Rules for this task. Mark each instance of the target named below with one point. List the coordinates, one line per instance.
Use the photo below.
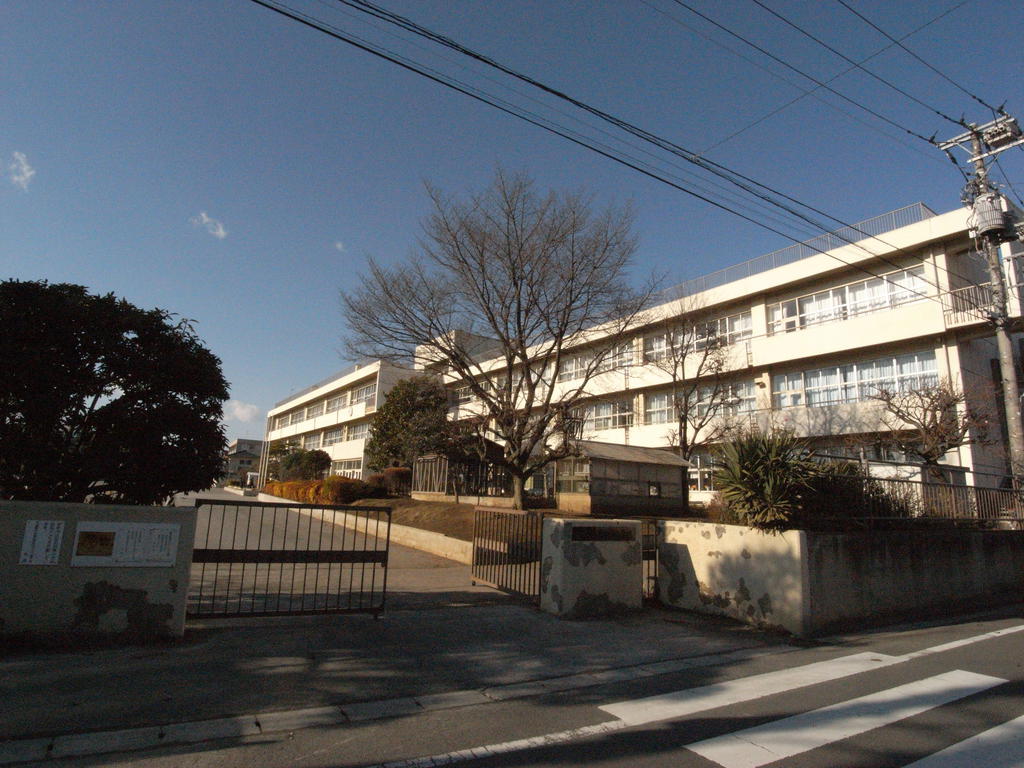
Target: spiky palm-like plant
(763, 477)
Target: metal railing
(862, 501)
(253, 558)
(968, 305)
(902, 217)
(507, 547)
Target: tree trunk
(517, 491)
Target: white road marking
(965, 641)
(999, 747)
(680, 703)
(754, 747)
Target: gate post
(591, 567)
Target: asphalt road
(929, 697)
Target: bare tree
(930, 420)
(694, 350)
(520, 299)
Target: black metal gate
(506, 550)
(253, 558)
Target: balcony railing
(965, 306)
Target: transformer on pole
(992, 224)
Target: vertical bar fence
(257, 559)
(506, 550)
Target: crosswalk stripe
(679, 703)
(966, 641)
(790, 736)
(999, 747)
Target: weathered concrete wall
(590, 567)
(504, 502)
(811, 583)
(870, 577)
(732, 570)
(131, 579)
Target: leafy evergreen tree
(412, 422)
(300, 464)
(102, 400)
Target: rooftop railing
(336, 375)
(902, 217)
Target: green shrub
(769, 482)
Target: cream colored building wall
(380, 373)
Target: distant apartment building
(241, 458)
(813, 331)
(333, 415)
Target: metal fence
(865, 501)
(506, 550)
(254, 558)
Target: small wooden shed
(616, 480)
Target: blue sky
(227, 164)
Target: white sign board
(41, 543)
(126, 544)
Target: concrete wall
(590, 567)
(809, 583)
(439, 544)
(503, 502)
(114, 577)
(892, 574)
(732, 570)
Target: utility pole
(993, 226)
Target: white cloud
(339, 246)
(236, 409)
(211, 225)
(21, 171)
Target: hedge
(332, 490)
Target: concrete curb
(404, 535)
(149, 737)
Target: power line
(445, 80)
(696, 181)
(715, 168)
(800, 72)
(848, 60)
(1007, 180)
(944, 76)
(804, 92)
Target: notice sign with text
(41, 543)
(126, 545)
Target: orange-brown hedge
(332, 490)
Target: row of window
(854, 382)
(339, 434)
(658, 346)
(348, 468)
(366, 393)
(659, 407)
(849, 383)
(882, 292)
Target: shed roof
(635, 454)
